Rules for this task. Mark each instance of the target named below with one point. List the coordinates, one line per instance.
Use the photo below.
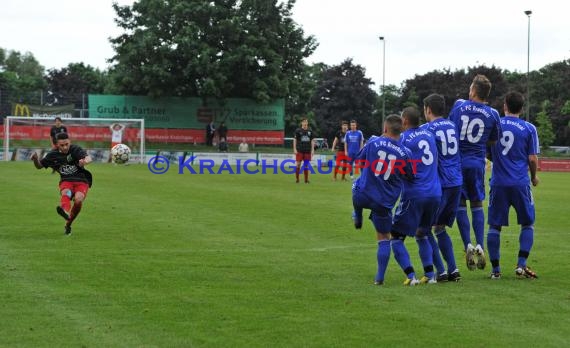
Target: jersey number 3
(427, 157)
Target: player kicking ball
(69, 161)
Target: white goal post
(95, 135)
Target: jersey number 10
(467, 127)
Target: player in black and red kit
(57, 128)
(303, 148)
(338, 145)
(69, 161)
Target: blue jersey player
(353, 140)
(513, 157)
(420, 199)
(386, 164)
(449, 170)
(478, 127)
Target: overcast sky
(421, 36)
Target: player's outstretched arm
(85, 161)
(36, 161)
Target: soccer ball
(120, 153)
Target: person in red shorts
(338, 145)
(69, 161)
(303, 148)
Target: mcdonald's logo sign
(21, 110)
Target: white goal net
(23, 135)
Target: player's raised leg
(65, 200)
(79, 196)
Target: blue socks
(526, 239)
(493, 248)
(464, 226)
(426, 255)
(437, 261)
(478, 225)
(383, 256)
(402, 257)
(446, 247)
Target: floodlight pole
(527, 118)
(383, 82)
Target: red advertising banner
(24, 132)
(155, 135)
(554, 165)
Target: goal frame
(8, 121)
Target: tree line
(254, 49)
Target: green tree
(552, 83)
(392, 95)
(21, 74)
(563, 134)
(413, 99)
(2, 57)
(565, 110)
(499, 87)
(298, 102)
(544, 126)
(76, 78)
(453, 85)
(209, 48)
(71, 84)
(344, 93)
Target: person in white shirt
(117, 133)
(243, 147)
(116, 136)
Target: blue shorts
(381, 216)
(473, 188)
(448, 206)
(415, 213)
(501, 198)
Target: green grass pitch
(255, 261)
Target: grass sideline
(251, 260)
